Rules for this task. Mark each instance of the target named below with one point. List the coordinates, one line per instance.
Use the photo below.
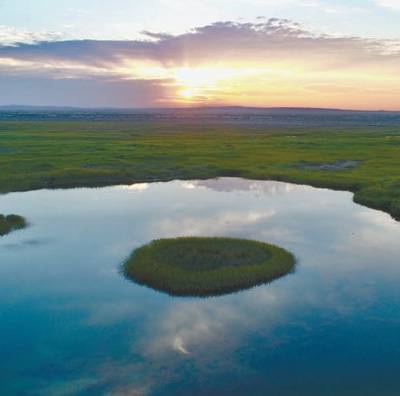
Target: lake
(71, 324)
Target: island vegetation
(195, 266)
(35, 155)
(11, 223)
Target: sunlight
(280, 83)
(204, 76)
(188, 93)
(204, 82)
(197, 82)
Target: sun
(206, 83)
(197, 83)
(187, 93)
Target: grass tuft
(11, 223)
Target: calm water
(70, 324)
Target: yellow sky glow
(276, 62)
(280, 83)
(248, 83)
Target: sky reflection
(71, 324)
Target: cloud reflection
(141, 342)
(140, 187)
(222, 223)
(231, 184)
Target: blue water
(70, 324)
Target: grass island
(203, 267)
(11, 223)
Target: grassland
(11, 223)
(206, 266)
(36, 155)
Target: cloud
(393, 4)
(10, 36)
(273, 60)
(85, 92)
(221, 41)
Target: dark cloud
(275, 39)
(95, 92)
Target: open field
(206, 266)
(47, 154)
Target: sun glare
(203, 83)
(187, 93)
(197, 83)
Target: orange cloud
(272, 63)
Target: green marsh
(35, 155)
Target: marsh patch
(11, 223)
(205, 267)
(330, 166)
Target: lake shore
(38, 155)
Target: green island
(63, 154)
(203, 267)
(11, 223)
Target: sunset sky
(165, 53)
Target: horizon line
(197, 107)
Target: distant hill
(200, 109)
(233, 116)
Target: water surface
(72, 325)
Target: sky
(169, 53)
